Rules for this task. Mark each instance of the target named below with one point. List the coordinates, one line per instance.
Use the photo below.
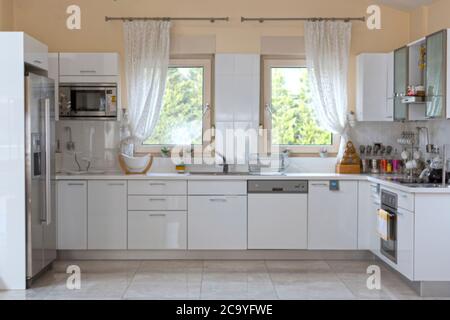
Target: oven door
(389, 247)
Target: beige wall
(428, 19)
(6, 15)
(45, 20)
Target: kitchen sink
(425, 185)
(218, 173)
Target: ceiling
(405, 4)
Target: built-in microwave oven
(88, 101)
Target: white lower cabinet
(72, 215)
(405, 243)
(333, 216)
(157, 230)
(217, 222)
(107, 215)
(277, 221)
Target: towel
(382, 225)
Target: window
(184, 116)
(288, 113)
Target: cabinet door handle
(157, 215)
(88, 71)
(218, 200)
(74, 184)
(157, 184)
(153, 199)
(37, 61)
(116, 184)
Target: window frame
(206, 62)
(268, 62)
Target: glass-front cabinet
(401, 66)
(436, 74)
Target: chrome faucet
(226, 167)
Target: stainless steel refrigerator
(40, 173)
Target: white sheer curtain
(146, 62)
(327, 45)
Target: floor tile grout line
(271, 280)
(132, 280)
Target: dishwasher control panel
(277, 186)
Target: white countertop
(244, 177)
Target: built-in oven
(388, 247)
(88, 101)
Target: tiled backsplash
(99, 140)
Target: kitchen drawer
(157, 187)
(157, 230)
(405, 199)
(217, 187)
(157, 203)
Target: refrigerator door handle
(48, 209)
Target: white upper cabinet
(237, 87)
(375, 87)
(35, 53)
(89, 64)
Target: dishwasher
(277, 214)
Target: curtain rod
(211, 19)
(261, 20)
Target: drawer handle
(37, 61)
(116, 184)
(218, 200)
(157, 184)
(157, 215)
(73, 184)
(88, 71)
(156, 199)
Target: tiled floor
(264, 280)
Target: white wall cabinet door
(372, 89)
(89, 64)
(332, 216)
(157, 230)
(36, 53)
(107, 215)
(405, 243)
(277, 221)
(72, 215)
(217, 223)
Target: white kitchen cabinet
(89, 64)
(35, 53)
(217, 187)
(217, 223)
(333, 216)
(277, 221)
(432, 237)
(365, 227)
(405, 243)
(72, 215)
(373, 92)
(157, 230)
(107, 215)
